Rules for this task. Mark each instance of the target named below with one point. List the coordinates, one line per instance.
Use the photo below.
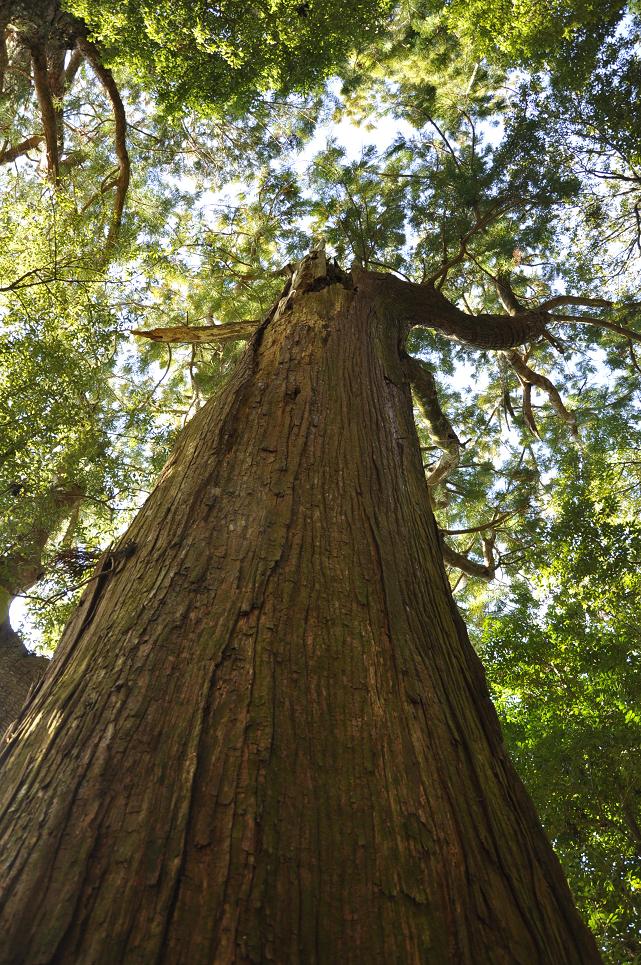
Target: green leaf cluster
(205, 56)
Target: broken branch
(195, 334)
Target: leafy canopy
(202, 55)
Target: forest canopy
(163, 165)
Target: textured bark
(48, 112)
(19, 671)
(265, 735)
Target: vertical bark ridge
(273, 740)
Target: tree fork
(272, 740)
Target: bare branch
(484, 527)
(482, 222)
(486, 571)
(599, 323)
(528, 414)
(192, 334)
(575, 300)
(73, 66)
(13, 153)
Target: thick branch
(529, 376)
(528, 414)
(58, 86)
(192, 334)
(4, 53)
(73, 66)
(425, 305)
(21, 569)
(23, 147)
(104, 75)
(508, 299)
(439, 427)
(486, 571)
(575, 300)
(13, 153)
(47, 108)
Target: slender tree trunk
(265, 736)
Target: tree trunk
(19, 671)
(265, 735)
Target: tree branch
(508, 299)
(13, 153)
(4, 53)
(439, 427)
(482, 222)
(104, 75)
(73, 66)
(47, 109)
(484, 527)
(480, 571)
(575, 300)
(529, 376)
(192, 334)
(528, 414)
(20, 570)
(425, 305)
(599, 323)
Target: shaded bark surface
(265, 735)
(19, 670)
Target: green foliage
(564, 34)
(69, 419)
(206, 56)
(561, 650)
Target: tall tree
(362, 783)
(328, 779)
